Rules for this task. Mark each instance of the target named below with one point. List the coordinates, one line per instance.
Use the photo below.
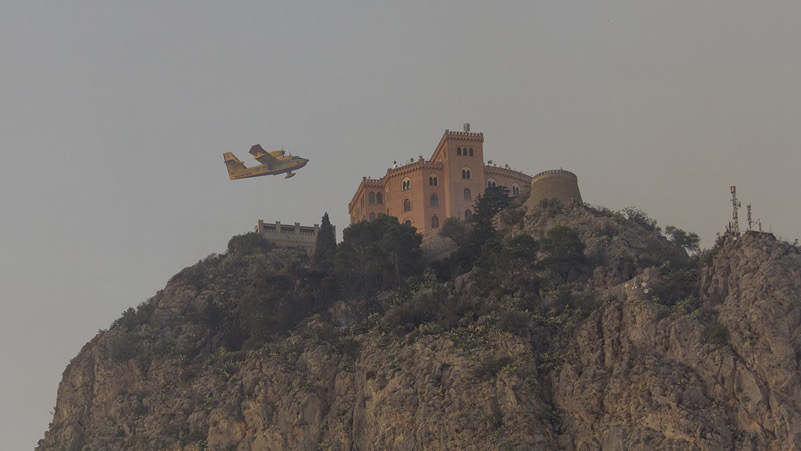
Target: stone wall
(284, 235)
(554, 184)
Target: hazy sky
(114, 117)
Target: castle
(424, 193)
(289, 235)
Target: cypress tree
(325, 246)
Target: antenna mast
(734, 226)
(748, 207)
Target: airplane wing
(263, 157)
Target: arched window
(372, 197)
(432, 180)
(434, 222)
(491, 183)
(434, 200)
(468, 213)
(458, 151)
(372, 216)
(471, 151)
(466, 173)
(379, 198)
(406, 184)
(467, 194)
(408, 222)
(407, 205)
(515, 189)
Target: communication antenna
(466, 127)
(748, 207)
(734, 226)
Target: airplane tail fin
(233, 164)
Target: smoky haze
(115, 116)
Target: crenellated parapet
(367, 181)
(412, 168)
(554, 173)
(495, 171)
(285, 235)
(464, 136)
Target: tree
(687, 240)
(519, 254)
(638, 216)
(507, 264)
(564, 250)
(455, 230)
(325, 246)
(493, 200)
(378, 254)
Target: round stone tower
(554, 184)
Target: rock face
(717, 370)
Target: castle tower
(462, 158)
(554, 184)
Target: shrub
(716, 333)
(552, 206)
(491, 367)
(515, 322)
(127, 322)
(124, 346)
(428, 305)
(249, 243)
(674, 286)
(686, 305)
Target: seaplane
(272, 163)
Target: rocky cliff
(637, 346)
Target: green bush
(127, 322)
(124, 346)
(249, 243)
(551, 206)
(674, 286)
(515, 322)
(491, 367)
(716, 333)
